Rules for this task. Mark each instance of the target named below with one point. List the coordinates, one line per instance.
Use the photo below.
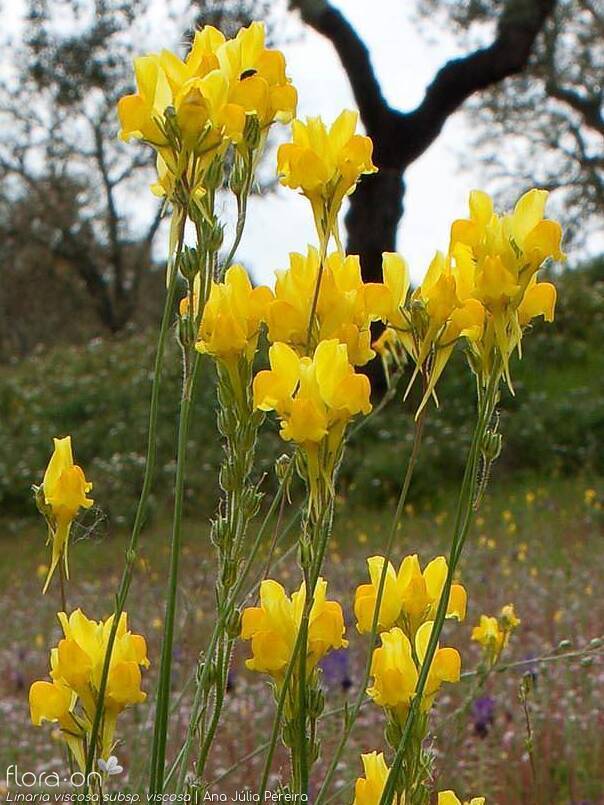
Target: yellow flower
(509, 618)
(345, 308)
(395, 670)
(76, 667)
(273, 627)
(489, 634)
(231, 318)
(141, 114)
(191, 110)
(409, 598)
(368, 789)
(502, 255)
(449, 798)
(257, 80)
(325, 165)
(63, 491)
(444, 313)
(312, 397)
(493, 633)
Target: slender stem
(462, 522)
(183, 756)
(141, 510)
(222, 667)
(315, 298)
(353, 713)
(241, 217)
(165, 670)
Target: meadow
(536, 545)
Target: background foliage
(100, 392)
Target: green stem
(353, 713)
(141, 510)
(158, 753)
(183, 755)
(462, 522)
(222, 667)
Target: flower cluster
(368, 789)
(273, 628)
(409, 598)
(225, 91)
(483, 291)
(345, 306)
(72, 697)
(493, 633)
(325, 165)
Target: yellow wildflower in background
(368, 789)
(273, 627)
(410, 597)
(62, 494)
(76, 664)
(493, 634)
(325, 165)
(449, 798)
(395, 670)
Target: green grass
(543, 554)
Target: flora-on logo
(110, 766)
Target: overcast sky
(405, 62)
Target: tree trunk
(372, 220)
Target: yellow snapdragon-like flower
(190, 110)
(345, 308)
(395, 670)
(410, 597)
(368, 789)
(62, 494)
(232, 316)
(313, 397)
(503, 253)
(493, 633)
(439, 313)
(273, 627)
(325, 165)
(76, 664)
(449, 798)
(256, 75)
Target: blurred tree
(66, 184)
(545, 126)
(401, 137)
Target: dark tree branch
(518, 27)
(399, 137)
(354, 55)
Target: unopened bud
(251, 132)
(491, 445)
(214, 175)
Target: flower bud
(233, 624)
(251, 132)
(213, 177)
